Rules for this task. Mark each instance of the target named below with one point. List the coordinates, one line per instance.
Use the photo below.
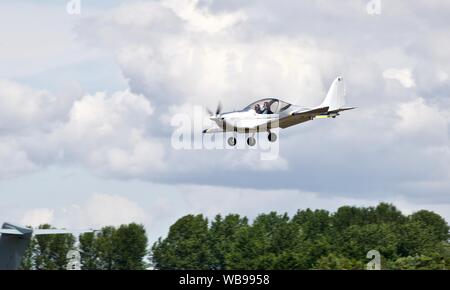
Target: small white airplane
(265, 114)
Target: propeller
(218, 111)
(219, 108)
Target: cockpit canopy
(268, 106)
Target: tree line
(310, 239)
(111, 248)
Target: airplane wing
(240, 125)
(38, 232)
(250, 123)
(310, 113)
(213, 130)
(10, 232)
(301, 116)
(14, 241)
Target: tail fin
(335, 98)
(14, 241)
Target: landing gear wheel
(272, 137)
(251, 141)
(232, 141)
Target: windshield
(267, 106)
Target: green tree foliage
(48, 252)
(187, 245)
(338, 262)
(28, 258)
(129, 247)
(88, 251)
(313, 223)
(223, 237)
(386, 213)
(355, 241)
(124, 248)
(264, 245)
(436, 225)
(108, 249)
(309, 240)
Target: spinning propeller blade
(218, 110)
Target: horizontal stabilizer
(342, 109)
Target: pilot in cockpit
(258, 109)
(266, 109)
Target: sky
(87, 100)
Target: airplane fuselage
(270, 113)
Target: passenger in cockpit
(266, 109)
(258, 109)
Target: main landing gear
(232, 141)
(251, 141)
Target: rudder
(335, 98)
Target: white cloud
(253, 160)
(96, 211)
(100, 210)
(109, 134)
(36, 217)
(201, 19)
(38, 37)
(204, 70)
(103, 209)
(404, 76)
(188, 63)
(23, 108)
(427, 124)
(442, 76)
(201, 52)
(138, 14)
(101, 115)
(15, 160)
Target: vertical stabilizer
(13, 245)
(335, 98)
